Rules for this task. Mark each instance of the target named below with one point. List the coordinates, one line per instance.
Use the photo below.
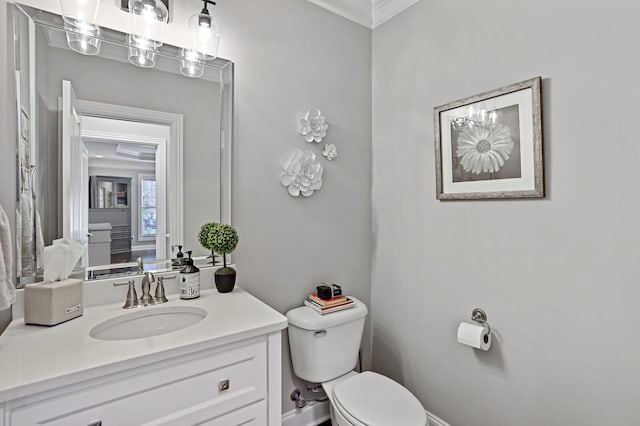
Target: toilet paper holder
(480, 316)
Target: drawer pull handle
(320, 333)
(95, 423)
(223, 385)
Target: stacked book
(330, 305)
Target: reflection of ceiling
(369, 13)
(121, 151)
(121, 144)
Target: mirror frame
(222, 68)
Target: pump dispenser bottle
(189, 279)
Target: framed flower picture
(490, 145)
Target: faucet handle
(160, 297)
(132, 297)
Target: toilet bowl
(324, 349)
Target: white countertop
(36, 358)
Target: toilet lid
(376, 400)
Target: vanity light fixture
(142, 53)
(204, 31)
(191, 64)
(205, 42)
(148, 20)
(80, 22)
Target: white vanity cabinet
(210, 387)
(222, 373)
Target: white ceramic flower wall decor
(313, 126)
(330, 151)
(302, 173)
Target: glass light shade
(148, 19)
(192, 64)
(205, 34)
(141, 54)
(74, 11)
(83, 38)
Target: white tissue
(475, 335)
(60, 258)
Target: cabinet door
(189, 388)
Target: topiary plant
(220, 238)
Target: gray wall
(291, 56)
(557, 276)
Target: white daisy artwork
(490, 145)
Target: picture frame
(489, 146)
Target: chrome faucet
(146, 298)
(140, 265)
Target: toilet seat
(375, 400)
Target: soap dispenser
(189, 279)
(178, 262)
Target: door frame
(173, 156)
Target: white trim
(358, 11)
(369, 13)
(274, 378)
(383, 10)
(132, 165)
(98, 136)
(314, 413)
(433, 420)
(140, 237)
(144, 247)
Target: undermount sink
(148, 322)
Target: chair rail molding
(369, 13)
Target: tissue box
(51, 303)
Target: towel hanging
(7, 288)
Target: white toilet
(324, 349)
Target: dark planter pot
(225, 279)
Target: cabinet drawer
(120, 245)
(99, 237)
(253, 415)
(121, 232)
(188, 387)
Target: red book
(327, 309)
(329, 302)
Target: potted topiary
(222, 239)
(203, 238)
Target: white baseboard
(433, 420)
(311, 415)
(143, 247)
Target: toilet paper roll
(475, 335)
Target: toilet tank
(324, 347)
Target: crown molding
(369, 13)
(358, 11)
(383, 10)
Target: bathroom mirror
(130, 161)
